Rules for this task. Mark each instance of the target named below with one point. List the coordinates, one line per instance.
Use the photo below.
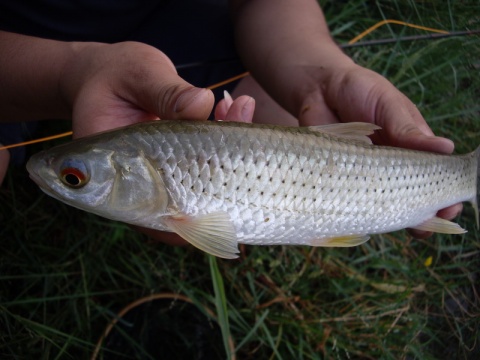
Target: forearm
(274, 36)
(31, 71)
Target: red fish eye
(73, 177)
(73, 173)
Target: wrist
(77, 67)
(31, 74)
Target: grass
(65, 274)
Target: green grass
(64, 274)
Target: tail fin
(476, 200)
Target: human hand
(357, 94)
(109, 86)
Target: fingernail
(247, 110)
(228, 98)
(187, 98)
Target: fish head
(119, 184)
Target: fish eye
(74, 174)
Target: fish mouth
(32, 172)
(37, 180)
(32, 168)
(41, 184)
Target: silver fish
(217, 184)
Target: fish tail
(476, 200)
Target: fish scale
(278, 179)
(317, 186)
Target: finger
(179, 100)
(221, 109)
(404, 126)
(451, 212)
(240, 110)
(408, 136)
(314, 111)
(228, 98)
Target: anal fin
(440, 225)
(213, 233)
(341, 241)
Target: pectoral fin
(213, 233)
(440, 225)
(341, 241)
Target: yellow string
(52, 137)
(353, 41)
(390, 21)
(228, 81)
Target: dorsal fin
(356, 131)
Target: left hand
(358, 94)
(354, 93)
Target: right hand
(113, 85)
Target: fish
(218, 184)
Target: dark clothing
(85, 20)
(197, 35)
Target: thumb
(175, 99)
(404, 126)
(120, 84)
(155, 86)
(183, 101)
